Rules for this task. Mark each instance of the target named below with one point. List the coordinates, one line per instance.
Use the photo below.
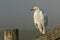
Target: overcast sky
(17, 14)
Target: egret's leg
(40, 28)
(43, 30)
(43, 27)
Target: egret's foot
(43, 32)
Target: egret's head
(35, 8)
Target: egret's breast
(38, 17)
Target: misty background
(16, 14)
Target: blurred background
(16, 14)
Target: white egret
(40, 19)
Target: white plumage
(40, 19)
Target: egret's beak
(32, 9)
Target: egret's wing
(45, 17)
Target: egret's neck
(37, 11)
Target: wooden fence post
(11, 34)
